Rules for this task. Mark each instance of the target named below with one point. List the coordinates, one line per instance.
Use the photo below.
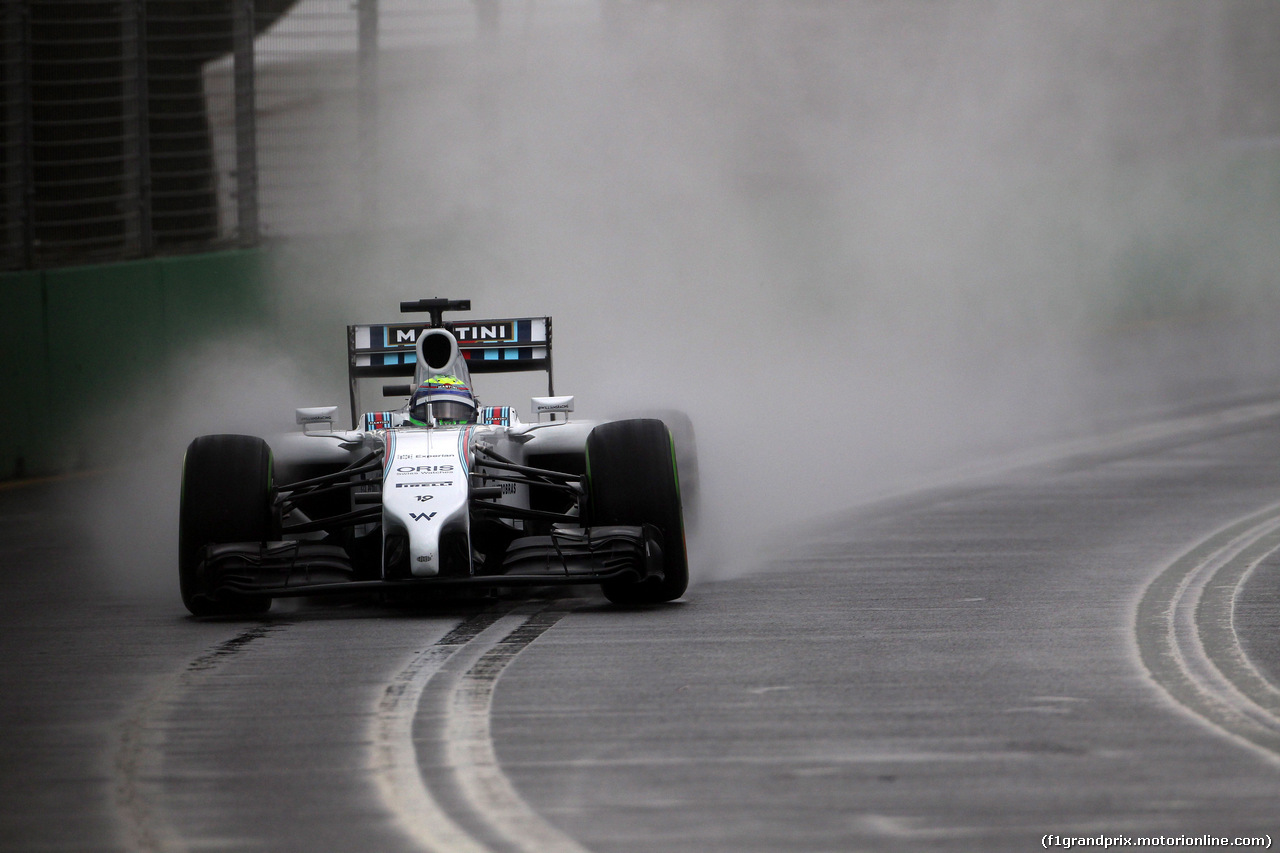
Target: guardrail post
(367, 93)
(246, 130)
(18, 249)
(137, 130)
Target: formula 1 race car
(440, 494)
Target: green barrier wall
(77, 341)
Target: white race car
(441, 494)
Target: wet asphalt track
(966, 668)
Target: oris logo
(424, 469)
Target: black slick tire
(227, 496)
(632, 479)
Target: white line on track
(1184, 626)
(137, 763)
(395, 760)
(1119, 441)
(134, 766)
(466, 665)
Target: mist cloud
(855, 241)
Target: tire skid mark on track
(1184, 627)
(481, 810)
(394, 761)
(469, 745)
(139, 751)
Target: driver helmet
(444, 398)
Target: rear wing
(489, 346)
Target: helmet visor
(453, 412)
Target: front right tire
(227, 496)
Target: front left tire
(632, 479)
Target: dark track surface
(954, 670)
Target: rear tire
(227, 496)
(632, 479)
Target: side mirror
(316, 415)
(550, 406)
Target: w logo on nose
(422, 516)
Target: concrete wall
(75, 342)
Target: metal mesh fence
(137, 127)
(71, 109)
(14, 136)
(129, 126)
(106, 129)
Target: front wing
(590, 555)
